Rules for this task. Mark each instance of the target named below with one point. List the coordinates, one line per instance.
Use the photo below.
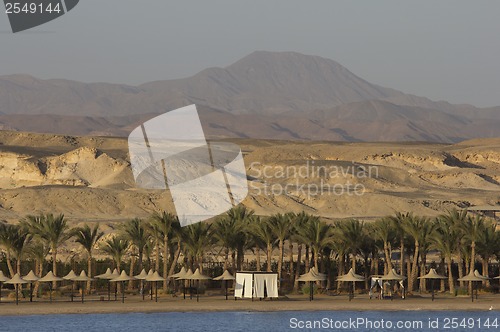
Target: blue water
(260, 321)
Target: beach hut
(16, 281)
(198, 276)
(432, 275)
(82, 278)
(31, 278)
(108, 275)
(390, 277)
(50, 278)
(142, 276)
(155, 277)
(122, 278)
(351, 277)
(70, 276)
(3, 279)
(312, 276)
(473, 277)
(256, 284)
(226, 276)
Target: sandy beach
(93, 305)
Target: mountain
(272, 95)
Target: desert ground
(90, 178)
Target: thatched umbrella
(155, 277)
(113, 275)
(16, 280)
(186, 276)
(351, 277)
(70, 276)
(198, 276)
(178, 275)
(50, 277)
(311, 276)
(31, 278)
(3, 279)
(142, 276)
(108, 275)
(472, 277)
(122, 278)
(83, 277)
(433, 275)
(226, 276)
(150, 274)
(392, 276)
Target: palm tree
(244, 216)
(88, 237)
(135, 231)
(398, 222)
(445, 240)
(280, 226)
(53, 230)
(116, 247)
(456, 220)
(226, 232)
(163, 224)
(352, 232)
(197, 239)
(384, 231)
(318, 235)
(488, 246)
(7, 235)
(261, 229)
(20, 238)
(416, 228)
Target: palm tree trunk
(54, 265)
(233, 261)
(18, 262)
(307, 260)
(486, 271)
(450, 277)
(89, 269)
(157, 255)
(353, 263)
(176, 258)
(423, 285)
(414, 268)
(341, 270)
(280, 262)
(131, 272)
(257, 257)
(402, 258)
(165, 263)
(226, 258)
(460, 270)
(9, 264)
(297, 269)
(269, 252)
(388, 262)
(290, 259)
(472, 262)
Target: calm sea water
(259, 321)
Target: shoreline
(135, 304)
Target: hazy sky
(444, 50)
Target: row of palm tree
(298, 240)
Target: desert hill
(265, 95)
(89, 178)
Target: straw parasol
(312, 276)
(16, 280)
(351, 277)
(82, 277)
(3, 279)
(122, 278)
(142, 276)
(113, 275)
(472, 277)
(226, 276)
(70, 276)
(31, 278)
(155, 277)
(198, 276)
(433, 275)
(108, 275)
(150, 274)
(186, 276)
(179, 274)
(50, 277)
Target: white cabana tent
(256, 285)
